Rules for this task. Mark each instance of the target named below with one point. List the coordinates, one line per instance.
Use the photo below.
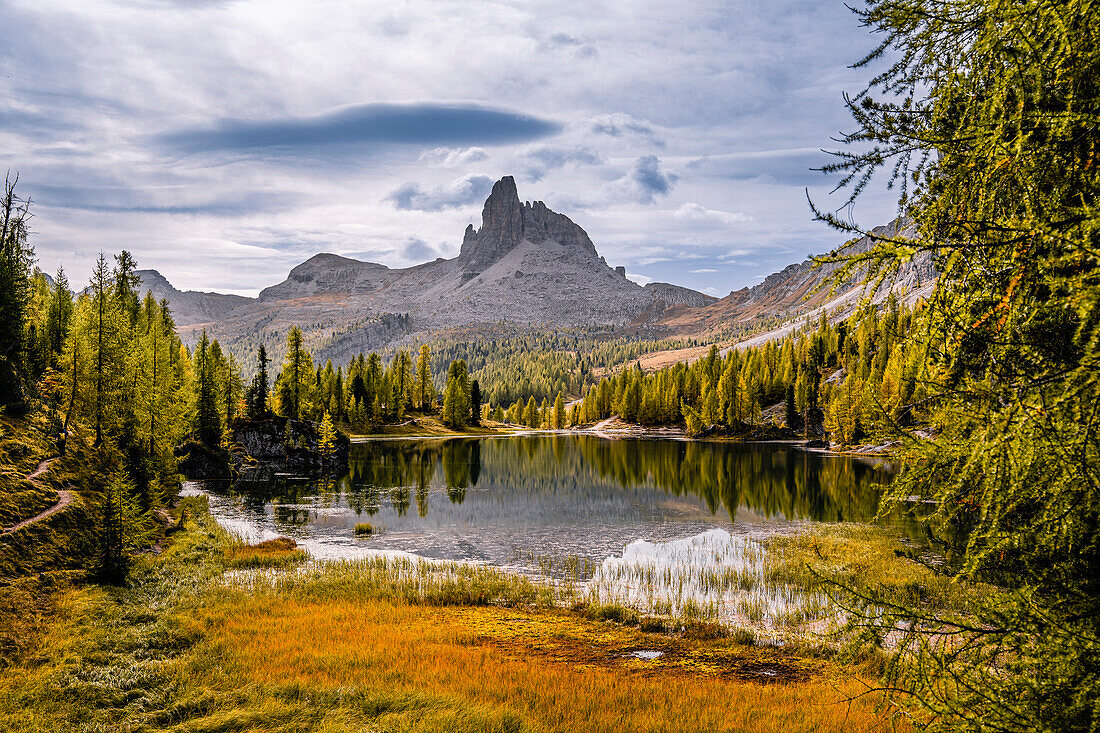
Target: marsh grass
(412, 581)
(392, 645)
(279, 553)
(363, 529)
(780, 587)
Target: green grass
(385, 644)
(280, 553)
(429, 425)
(364, 529)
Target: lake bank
(183, 648)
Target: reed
(395, 644)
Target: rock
(198, 461)
(506, 222)
(279, 443)
(188, 306)
(670, 294)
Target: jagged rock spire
(506, 221)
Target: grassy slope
(433, 426)
(338, 649)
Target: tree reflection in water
(769, 480)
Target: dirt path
(604, 425)
(64, 498)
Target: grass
(281, 552)
(783, 587)
(363, 529)
(394, 646)
(431, 426)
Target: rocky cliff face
(329, 273)
(801, 287)
(506, 222)
(670, 295)
(525, 264)
(189, 307)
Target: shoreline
(637, 432)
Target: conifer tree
(559, 412)
(16, 257)
(423, 384)
(207, 417)
(122, 528)
(531, 414)
(475, 403)
(295, 381)
(257, 392)
(456, 398)
(790, 411)
(986, 114)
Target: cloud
(618, 124)
(469, 189)
(703, 270)
(582, 48)
(697, 213)
(421, 123)
(645, 181)
(538, 160)
(123, 199)
(417, 250)
(453, 156)
(639, 278)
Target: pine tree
(326, 441)
(207, 417)
(104, 310)
(122, 528)
(475, 403)
(791, 411)
(16, 257)
(295, 381)
(531, 414)
(986, 113)
(257, 392)
(559, 412)
(456, 398)
(423, 385)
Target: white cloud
(645, 180)
(639, 278)
(469, 189)
(696, 212)
(734, 98)
(451, 157)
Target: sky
(224, 142)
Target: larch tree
(423, 385)
(985, 115)
(16, 257)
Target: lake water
(506, 501)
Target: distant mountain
(525, 264)
(798, 288)
(676, 295)
(189, 307)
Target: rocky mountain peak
(506, 221)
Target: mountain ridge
(526, 265)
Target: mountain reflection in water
(499, 499)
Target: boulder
(203, 462)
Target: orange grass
(277, 553)
(538, 670)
